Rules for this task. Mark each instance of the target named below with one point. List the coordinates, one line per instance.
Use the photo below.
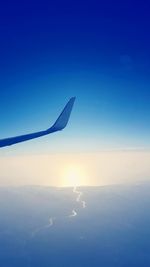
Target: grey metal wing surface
(59, 125)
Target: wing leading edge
(59, 125)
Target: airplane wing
(59, 125)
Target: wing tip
(72, 100)
(63, 119)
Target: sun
(74, 176)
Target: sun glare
(74, 176)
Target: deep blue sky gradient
(97, 51)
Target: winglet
(63, 119)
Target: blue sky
(98, 52)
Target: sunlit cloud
(77, 169)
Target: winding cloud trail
(50, 224)
(79, 196)
(78, 199)
(74, 213)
